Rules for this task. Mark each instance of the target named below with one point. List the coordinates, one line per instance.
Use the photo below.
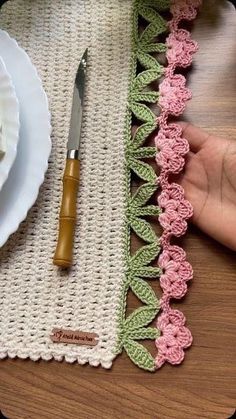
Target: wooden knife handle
(67, 218)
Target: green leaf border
(136, 326)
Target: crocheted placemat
(36, 297)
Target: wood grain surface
(204, 386)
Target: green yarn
(136, 325)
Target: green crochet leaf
(151, 32)
(142, 112)
(143, 132)
(144, 333)
(143, 170)
(138, 268)
(150, 97)
(143, 194)
(149, 210)
(144, 152)
(151, 47)
(152, 16)
(160, 5)
(143, 229)
(144, 292)
(156, 27)
(147, 61)
(144, 79)
(148, 272)
(145, 255)
(139, 355)
(140, 317)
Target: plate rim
(31, 197)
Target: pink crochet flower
(181, 48)
(170, 161)
(172, 285)
(174, 339)
(172, 148)
(173, 260)
(170, 131)
(177, 210)
(173, 191)
(176, 271)
(184, 9)
(170, 222)
(173, 94)
(178, 145)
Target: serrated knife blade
(77, 106)
(67, 219)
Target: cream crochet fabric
(35, 295)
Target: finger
(195, 136)
(189, 157)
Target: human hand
(209, 180)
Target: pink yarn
(176, 210)
(175, 338)
(174, 94)
(181, 48)
(172, 149)
(176, 272)
(184, 9)
(172, 260)
(172, 285)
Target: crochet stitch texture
(36, 296)
(92, 297)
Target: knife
(67, 217)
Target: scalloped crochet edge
(59, 355)
(174, 337)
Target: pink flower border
(172, 148)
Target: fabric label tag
(74, 336)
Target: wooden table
(204, 386)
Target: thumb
(194, 135)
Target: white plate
(22, 186)
(9, 123)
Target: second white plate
(22, 186)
